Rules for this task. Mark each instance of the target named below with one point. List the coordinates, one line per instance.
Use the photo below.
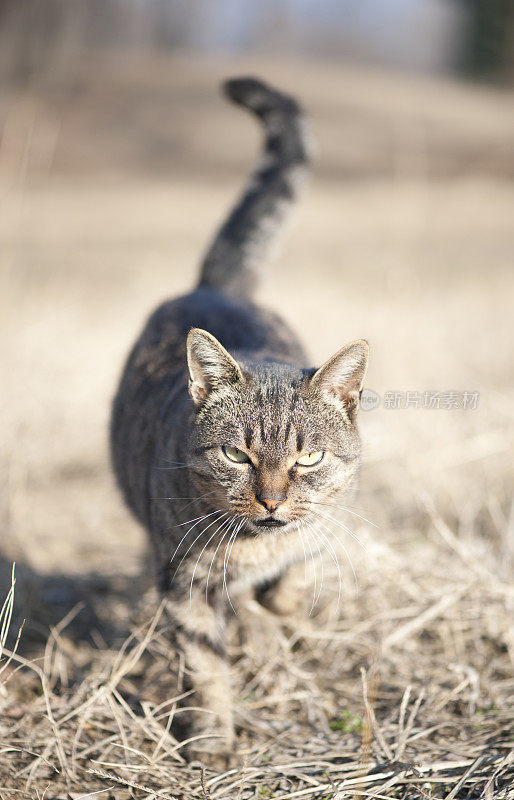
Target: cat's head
(273, 442)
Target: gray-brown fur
(235, 255)
(212, 369)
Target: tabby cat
(223, 438)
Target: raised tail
(251, 230)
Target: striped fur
(211, 369)
(252, 228)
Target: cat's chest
(254, 561)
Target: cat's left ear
(210, 366)
(342, 375)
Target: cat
(223, 439)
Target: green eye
(311, 459)
(233, 454)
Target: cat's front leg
(285, 594)
(200, 635)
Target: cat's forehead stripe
(248, 435)
(269, 433)
(271, 416)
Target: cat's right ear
(210, 366)
(342, 375)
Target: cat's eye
(233, 454)
(311, 459)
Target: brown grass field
(112, 181)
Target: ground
(113, 177)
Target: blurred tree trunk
(489, 47)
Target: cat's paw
(215, 756)
(284, 598)
(284, 604)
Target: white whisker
(198, 521)
(345, 528)
(333, 555)
(339, 542)
(194, 499)
(303, 546)
(233, 522)
(214, 521)
(316, 542)
(315, 573)
(195, 519)
(342, 508)
(209, 540)
(169, 469)
(226, 559)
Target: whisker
(194, 499)
(225, 586)
(233, 522)
(220, 527)
(341, 525)
(214, 521)
(168, 469)
(339, 542)
(316, 542)
(303, 546)
(197, 522)
(315, 573)
(202, 516)
(227, 559)
(172, 498)
(183, 498)
(333, 555)
(341, 508)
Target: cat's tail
(251, 230)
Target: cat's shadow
(91, 610)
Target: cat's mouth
(269, 522)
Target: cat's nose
(271, 501)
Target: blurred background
(118, 158)
(473, 37)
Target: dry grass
(406, 238)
